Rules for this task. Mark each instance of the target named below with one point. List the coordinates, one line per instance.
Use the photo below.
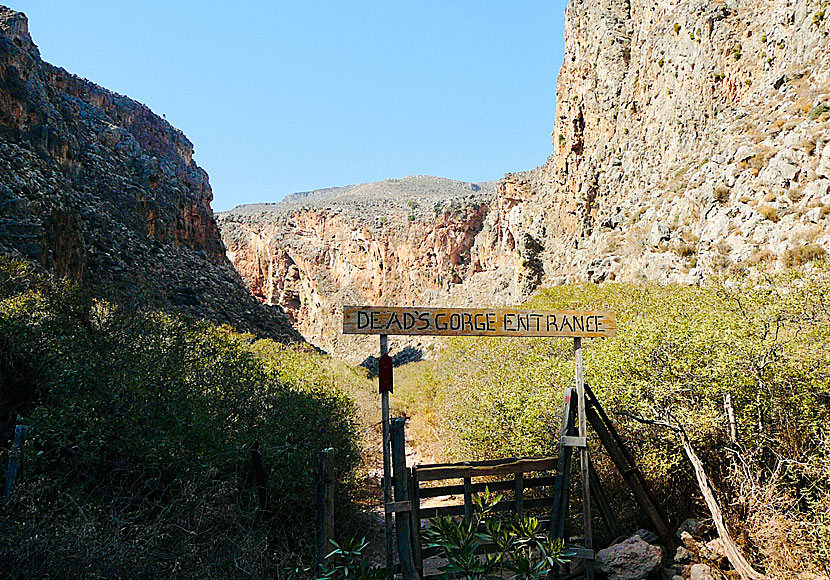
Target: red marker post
(385, 381)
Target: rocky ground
(96, 188)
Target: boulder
(702, 572)
(632, 559)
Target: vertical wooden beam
(518, 490)
(468, 499)
(583, 455)
(415, 500)
(324, 508)
(563, 466)
(387, 471)
(402, 518)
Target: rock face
(692, 137)
(96, 188)
(400, 241)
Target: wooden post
(324, 508)
(583, 456)
(468, 499)
(16, 460)
(387, 471)
(563, 466)
(415, 520)
(261, 482)
(518, 491)
(402, 518)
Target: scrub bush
(759, 346)
(139, 464)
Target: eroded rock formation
(96, 188)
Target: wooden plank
(445, 490)
(571, 441)
(324, 504)
(503, 506)
(559, 509)
(583, 458)
(402, 523)
(415, 520)
(411, 320)
(428, 473)
(398, 507)
(627, 466)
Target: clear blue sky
(279, 97)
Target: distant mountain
(96, 188)
(417, 194)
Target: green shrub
(523, 550)
(139, 460)
(678, 350)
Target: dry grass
(770, 213)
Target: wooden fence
(456, 479)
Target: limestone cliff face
(96, 188)
(692, 138)
(395, 242)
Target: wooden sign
(476, 321)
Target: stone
(824, 162)
(714, 550)
(646, 535)
(814, 215)
(632, 559)
(743, 153)
(779, 172)
(702, 572)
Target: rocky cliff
(692, 138)
(399, 241)
(96, 188)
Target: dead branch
(733, 553)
